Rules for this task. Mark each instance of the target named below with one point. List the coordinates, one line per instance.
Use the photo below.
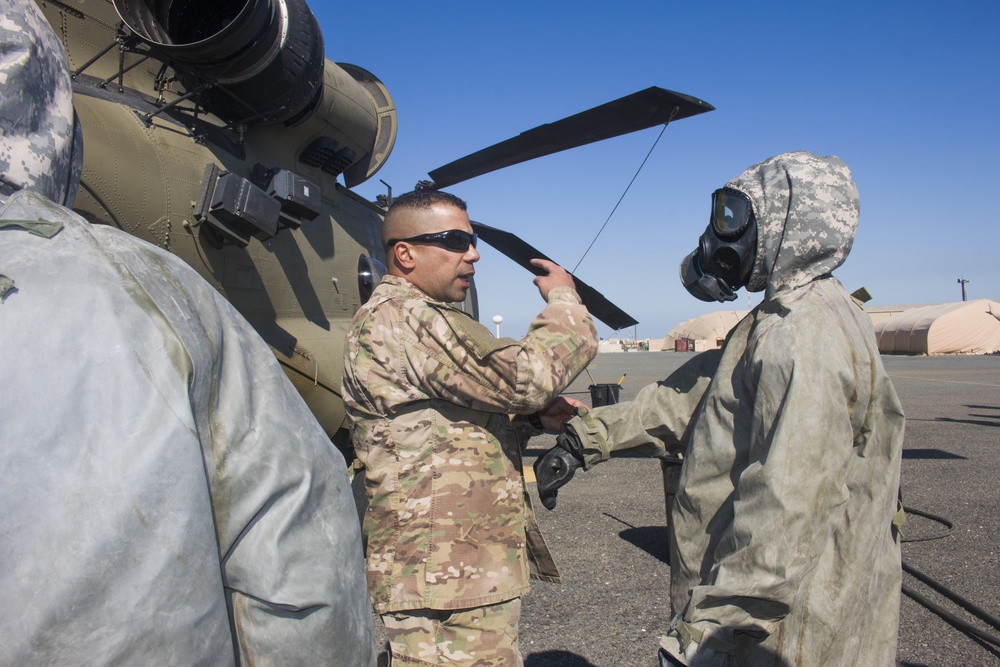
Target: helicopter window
(370, 272)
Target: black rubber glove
(556, 467)
(667, 660)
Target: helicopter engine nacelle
(261, 62)
(258, 61)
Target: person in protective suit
(784, 529)
(167, 496)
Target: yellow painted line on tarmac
(529, 475)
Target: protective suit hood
(807, 210)
(41, 143)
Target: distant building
(610, 345)
(624, 345)
(706, 332)
(965, 327)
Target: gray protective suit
(167, 497)
(784, 550)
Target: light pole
(497, 320)
(963, 281)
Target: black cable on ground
(953, 596)
(932, 517)
(965, 627)
(962, 602)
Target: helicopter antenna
(385, 201)
(662, 130)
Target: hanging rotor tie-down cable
(662, 130)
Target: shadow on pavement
(654, 540)
(557, 659)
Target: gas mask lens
(731, 212)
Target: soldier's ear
(403, 252)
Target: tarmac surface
(608, 531)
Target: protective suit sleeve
(655, 422)
(800, 445)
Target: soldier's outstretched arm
(655, 423)
(456, 358)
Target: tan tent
(966, 327)
(879, 313)
(707, 331)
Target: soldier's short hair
(424, 198)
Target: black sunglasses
(453, 239)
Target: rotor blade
(522, 252)
(646, 108)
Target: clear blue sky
(906, 93)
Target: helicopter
(219, 131)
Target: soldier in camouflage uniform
(168, 498)
(784, 540)
(451, 538)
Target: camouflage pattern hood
(807, 210)
(41, 144)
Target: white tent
(965, 327)
(707, 331)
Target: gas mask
(726, 251)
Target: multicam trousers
(477, 637)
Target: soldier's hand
(552, 275)
(556, 467)
(555, 415)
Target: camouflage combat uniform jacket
(429, 392)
